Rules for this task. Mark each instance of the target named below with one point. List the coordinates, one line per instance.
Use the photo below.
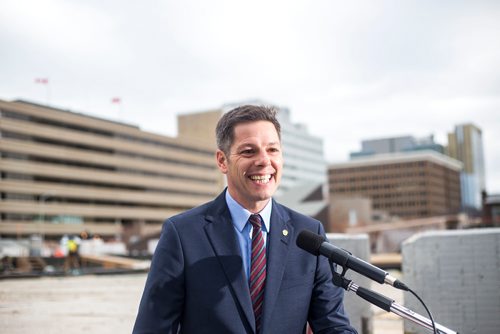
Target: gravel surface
(79, 304)
(100, 304)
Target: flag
(43, 81)
(116, 100)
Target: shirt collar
(240, 215)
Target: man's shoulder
(196, 212)
(200, 212)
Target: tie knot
(256, 221)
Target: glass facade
(466, 145)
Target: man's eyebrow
(252, 145)
(243, 145)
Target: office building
(64, 172)
(303, 156)
(397, 144)
(466, 145)
(408, 185)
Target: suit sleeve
(326, 312)
(162, 301)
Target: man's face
(253, 167)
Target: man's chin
(264, 195)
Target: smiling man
(231, 265)
(253, 163)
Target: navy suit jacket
(197, 283)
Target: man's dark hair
(247, 113)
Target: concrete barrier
(359, 311)
(457, 274)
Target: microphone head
(310, 242)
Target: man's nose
(263, 159)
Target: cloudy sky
(348, 70)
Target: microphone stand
(385, 303)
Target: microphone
(317, 245)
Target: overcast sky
(349, 70)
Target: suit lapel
(220, 232)
(278, 243)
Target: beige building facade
(348, 211)
(64, 172)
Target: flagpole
(48, 92)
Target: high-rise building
(409, 184)
(303, 155)
(63, 172)
(466, 145)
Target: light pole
(41, 216)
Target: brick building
(408, 185)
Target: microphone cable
(428, 312)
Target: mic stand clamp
(385, 303)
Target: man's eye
(249, 151)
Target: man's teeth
(261, 178)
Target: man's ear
(221, 161)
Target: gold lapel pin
(285, 232)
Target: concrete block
(357, 308)
(457, 274)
